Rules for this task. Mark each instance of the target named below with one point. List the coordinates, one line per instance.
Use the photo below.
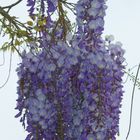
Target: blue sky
(123, 21)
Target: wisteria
(90, 15)
(41, 5)
(73, 91)
(31, 3)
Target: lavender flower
(73, 91)
(90, 15)
(84, 91)
(31, 4)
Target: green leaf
(5, 46)
(30, 23)
(22, 33)
(17, 42)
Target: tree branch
(12, 5)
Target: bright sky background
(123, 21)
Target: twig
(12, 5)
(17, 51)
(128, 73)
(3, 60)
(7, 16)
(10, 65)
(132, 99)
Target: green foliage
(18, 33)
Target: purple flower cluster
(52, 5)
(90, 21)
(90, 16)
(41, 5)
(70, 93)
(73, 91)
(31, 4)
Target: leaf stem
(132, 99)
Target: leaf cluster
(16, 31)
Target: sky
(122, 20)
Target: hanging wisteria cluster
(72, 91)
